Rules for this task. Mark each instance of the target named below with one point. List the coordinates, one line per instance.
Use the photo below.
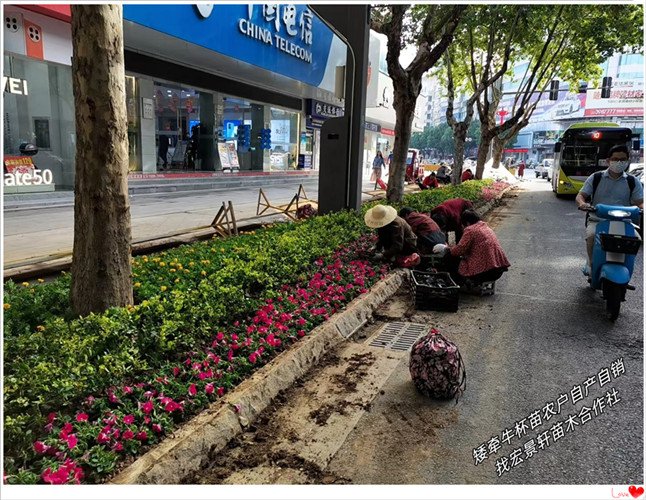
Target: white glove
(440, 248)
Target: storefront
(207, 89)
(38, 102)
(241, 97)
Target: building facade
(225, 87)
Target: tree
(101, 270)
(482, 51)
(430, 28)
(570, 42)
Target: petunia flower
(82, 417)
(147, 407)
(127, 435)
(208, 388)
(128, 419)
(41, 448)
(71, 441)
(192, 390)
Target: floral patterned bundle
(436, 367)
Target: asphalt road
(542, 333)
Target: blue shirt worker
(611, 187)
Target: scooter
(616, 243)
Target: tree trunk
(101, 272)
(404, 111)
(459, 138)
(498, 146)
(483, 154)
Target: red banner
(21, 164)
(387, 131)
(517, 150)
(615, 112)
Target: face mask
(617, 167)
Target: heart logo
(636, 492)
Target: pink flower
(252, 357)
(301, 333)
(220, 391)
(147, 407)
(127, 390)
(112, 398)
(82, 417)
(40, 447)
(192, 390)
(128, 435)
(72, 441)
(208, 388)
(142, 436)
(102, 438)
(176, 371)
(301, 321)
(129, 419)
(117, 446)
(58, 477)
(157, 428)
(219, 337)
(67, 428)
(51, 417)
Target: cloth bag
(436, 367)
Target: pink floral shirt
(480, 250)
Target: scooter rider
(612, 186)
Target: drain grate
(399, 336)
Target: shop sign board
(374, 127)
(322, 110)
(288, 39)
(16, 86)
(626, 99)
(387, 131)
(21, 171)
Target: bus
(582, 151)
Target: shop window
(39, 109)
(284, 139)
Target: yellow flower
(177, 280)
(40, 328)
(186, 271)
(163, 288)
(7, 306)
(172, 270)
(40, 280)
(191, 264)
(203, 273)
(162, 264)
(137, 285)
(25, 283)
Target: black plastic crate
(620, 244)
(435, 291)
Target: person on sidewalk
(396, 241)
(482, 256)
(521, 169)
(448, 215)
(467, 175)
(427, 231)
(429, 182)
(378, 164)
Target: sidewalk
(45, 233)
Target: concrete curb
(210, 431)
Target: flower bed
(230, 304)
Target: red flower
(67, 428)
(58, 477)
(129, 419)
(51, 417)
(219, 337)
(157, 428)
(147, 407)
(128, 435)
(40, 447)
(127, 390)
(71, 441)
(220, 391)
(176, 371)
(102, 438)
(301, 333)
(192, 390)
(252, 357)
(142, 436)
(82, 417)
(301, 321)
(208, 388)
(117, 447)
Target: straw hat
(380, 216)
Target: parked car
(544, 169)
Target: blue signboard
(286, 39)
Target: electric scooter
(616, 243)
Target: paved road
(542, 333)
(47, 231)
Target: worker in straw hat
(396, 240)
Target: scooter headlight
(620, 214)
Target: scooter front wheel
(614, 295)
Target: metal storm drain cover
(399, 336)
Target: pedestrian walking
(521, 169)
(377, 165)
